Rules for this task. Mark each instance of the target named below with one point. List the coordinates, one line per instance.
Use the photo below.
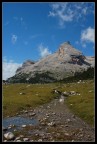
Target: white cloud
(44, 51)
(52, 14)
(84, 10)
(87, 35)
(9, 68)
(55, 6)
(59, 10)
(68, 11)
(14, 39)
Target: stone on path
(25, 139)
(23, 126)
(18, 141)
(9, 136)
(40, 140)
(32, 114)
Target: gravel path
(56, 123)
(62, 125)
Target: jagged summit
(67, 48)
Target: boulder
(9, 136)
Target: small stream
(18, 121)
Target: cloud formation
(68, 11)
(9, 68)
(14, 38)
(44, 51)
(87, 35)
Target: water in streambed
(18, 121)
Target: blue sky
(34, 30)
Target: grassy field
(37, 94)
(82, 105)
(33, 96)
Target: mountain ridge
(63, 63)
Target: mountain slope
(63, 63)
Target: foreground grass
(33, 96)
(82, 105)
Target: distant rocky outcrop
(65, 62)
(25, 64)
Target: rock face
(63, 63)
(25, 64)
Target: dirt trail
(57, 121)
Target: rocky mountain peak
(25, 64)
(67, 48)
(63, 63)
(28, 62)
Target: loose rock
(32, 114)
(9, 136)
(23, 126)
(25, 139)
(39, 140)
(18, 141)
(5, 140)
(17, 138)
(68, 120)
(51, 124)
(67, 134)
